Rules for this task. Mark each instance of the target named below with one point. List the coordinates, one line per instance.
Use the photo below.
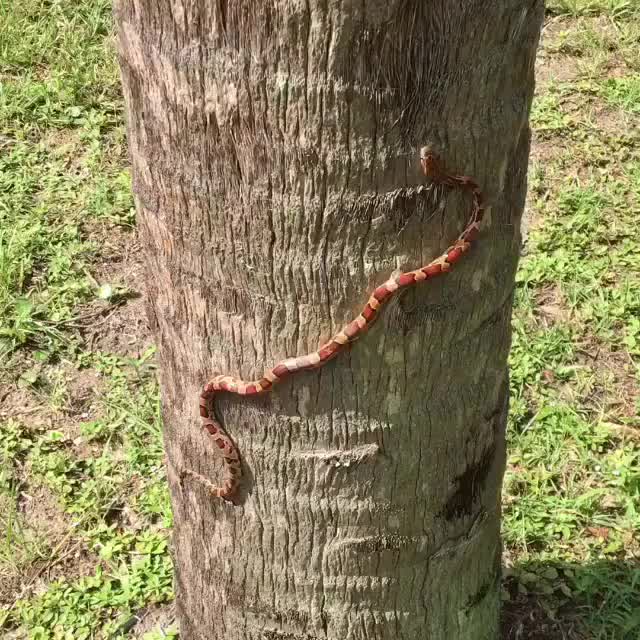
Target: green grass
(588, 249)
(601, 38)
(47, 216)
(56, 71)
(617, 9)
(108, 596)
(572, 488)
(116, 463)
(64, 188)
(61, 168)
(623, 93)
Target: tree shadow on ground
(562, 601)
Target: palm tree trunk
(275, 150)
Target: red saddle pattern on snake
(347, 335)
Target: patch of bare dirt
(122, 328)
(83, 386)
(553, 65)
(525, 618)
(69, 558)
(61, 140)
(555, 68)
(22, 405)
(54, 551)
(62, 399)
(615, 122)
(544, 151)
(613, 392)
(154, 618)
(551, 307)
(42, 513)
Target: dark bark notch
(468, 486)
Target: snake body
(348, 334)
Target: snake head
(429, 162)
(427, 152)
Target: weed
(623, 92)
(80, 609)
(547, 115)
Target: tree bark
(275, 159)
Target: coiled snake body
(348, 334)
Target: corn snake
(433, 170)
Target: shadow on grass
(563, 601)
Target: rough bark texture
(275, 146)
